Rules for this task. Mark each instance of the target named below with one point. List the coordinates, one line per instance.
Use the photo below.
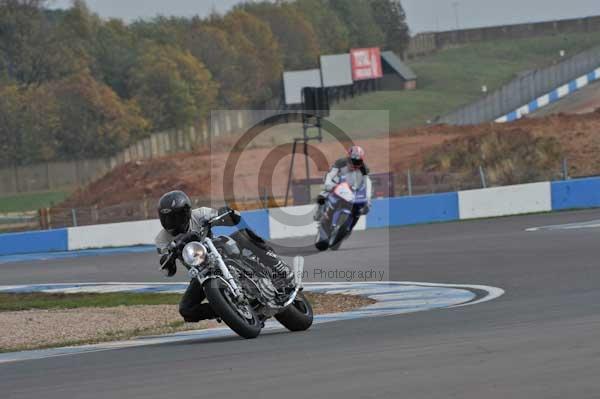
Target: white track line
(592, 224)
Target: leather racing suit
(354, 176)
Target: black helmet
(175, 212)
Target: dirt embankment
(541, 143)
(202, 174)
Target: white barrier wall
(114, 235)
(291, 221)
(507, 200)
(297, 221)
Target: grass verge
(31, 201)
(46, 301)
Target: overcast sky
(423, 15)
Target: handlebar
(220, 217)
(203, 233)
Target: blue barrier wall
(578, 193)
(413, 210)
(34, 242)
(571, 194)
(255, 220)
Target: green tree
(391, 19)
(28, 124)
(76, 117)
(357, 15)
(258, 66)
(93, 120)
(295, 35)
(11, 142)
(167, 31)
(36, 48)
(173, 88)
(23, 34)
(115, 51)
(40, 119)
(213, 47)
(331, 32)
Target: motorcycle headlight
(194, 254)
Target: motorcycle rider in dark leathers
(181, 224)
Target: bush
(511, 157)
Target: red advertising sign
(366, 63)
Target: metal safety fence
(408, 183)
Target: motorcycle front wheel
(339, 233)
(240, 318)
(298, 316)
(321, 245)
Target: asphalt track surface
(540, 340)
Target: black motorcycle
(240, 291)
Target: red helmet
(356, 155)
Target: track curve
(539, 340)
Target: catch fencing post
(145, 207)
(95, 216)
(74, 216)
(565, 169)
(409, 182)
(482, 176)
(265, 198)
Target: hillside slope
(544, 142)
(201, 174)
(454, 77)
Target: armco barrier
(576, 194)
(531, 91)
(33, 242)
(507, 200)
(413, 210)
(277, 223)
(553, 96)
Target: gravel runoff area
(33, 329)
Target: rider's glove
(168, 265)
(365, 209)
(225, 209)
(321, 199)
(232, 219)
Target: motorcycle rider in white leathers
(355, 172)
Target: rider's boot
(318, 213)
(320, 207)
(202, 312)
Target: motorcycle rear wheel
(298, 316)
(223, 305)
